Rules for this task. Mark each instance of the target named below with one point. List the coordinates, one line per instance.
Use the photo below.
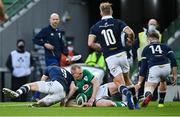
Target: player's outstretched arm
(70, 94)
(96, 85)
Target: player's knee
(33, 86)
(43, 103)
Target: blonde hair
(106, 8)
(75, 67)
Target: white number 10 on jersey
(108, 36)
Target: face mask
(21, 48)
(151, 28)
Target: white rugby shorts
(102, 92)
(118, 63)
(54, 90)
(157, 72)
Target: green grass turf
(21, 109)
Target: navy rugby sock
(123, 89)
(23, 89)
(133, 91)
(162, 96)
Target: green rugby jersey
(84, 85)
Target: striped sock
(23, 89)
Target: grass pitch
(22, 109)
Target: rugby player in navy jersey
(56, 87)
(158, 61)
(105, 36)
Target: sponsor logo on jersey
(86, 78)
(85, 87)
(59, 34)
(52, 34)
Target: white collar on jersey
(106, 17)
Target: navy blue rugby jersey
(59, 74)
(108, 33)
(156, 54)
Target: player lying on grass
(56, 88)
(87, 83)
(155, 59)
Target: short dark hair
(20, 40)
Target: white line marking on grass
(13, 105)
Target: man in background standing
(20, 63)
(50, 38)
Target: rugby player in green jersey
(85, 82)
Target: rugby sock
(133, 91)
(162, 96)
(36, 95)
(23, 89)
(148, 93)
(123, 89)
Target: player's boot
(160, 105)
(136, 102)
(10, 93)
(130, 102)
(146, 101)
(136, 106)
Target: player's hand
(49, 46)
(63, 102)
(90, 101)
(137, 86)
(174, 81)
(129, 42)
(86, 104)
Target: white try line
(13, 105)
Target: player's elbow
(91, 40)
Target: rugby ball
(81, 98)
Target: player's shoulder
(163, 45)
(85, 71)
(119, 21)
(146, 49)
(97, 24)
(46, 28)
(14, 51)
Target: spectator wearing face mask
(20, 64)
(141, 42)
